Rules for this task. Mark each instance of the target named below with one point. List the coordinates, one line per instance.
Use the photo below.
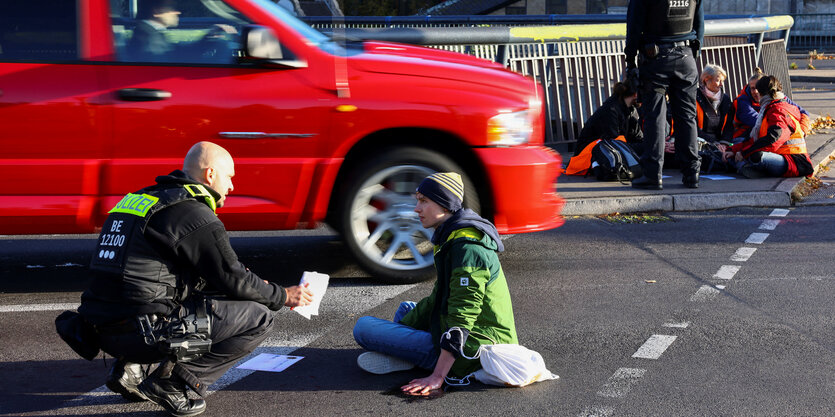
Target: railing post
(501, 54)
(759, 47)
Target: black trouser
(672, 72)
(237, 328)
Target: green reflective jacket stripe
(470, 292)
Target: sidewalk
(815, 92)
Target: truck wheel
(377, 217)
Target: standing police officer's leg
(238, 327)
(653, 104)
(683, 106)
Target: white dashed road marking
(769, 224)
(704, 293)
(757, 238)
(38, 307)
(726, 272)
(779, 213)
(597, 411)
(677, 325)
(654, 347)
(621, 382)
(742, 254)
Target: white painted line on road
(704, 293)
(769, 224)
(677, 325)
(654, 347)
(597, 411)
(621, 382)
(506, 237)
(742, 254)
(721, 287)
(757, 238)
(726, 272)
(37, 307)
(341, 299)
(779, 213)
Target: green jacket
(471, 293)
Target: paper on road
(318, 284)
(270, 362)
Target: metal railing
(578, 65)
(813, 31)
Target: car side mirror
(261, 46)
(261, 43)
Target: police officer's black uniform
(160, 249)
(662, 37)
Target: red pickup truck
(97, 97)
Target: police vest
(669, 18)
(126, 266)
(796, 143)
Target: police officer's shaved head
(212, 165)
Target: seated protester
(746, 108)
(469, 305)
(776, 146)
(714, 108)
(616, 117)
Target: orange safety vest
(580, 163)
(700, 116)
(796, 143)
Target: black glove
(695, 46)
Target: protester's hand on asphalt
(422, 386)
(298, 296)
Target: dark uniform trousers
(237, 328)
(672, 72)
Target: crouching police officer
(167, 287)
(662, 40)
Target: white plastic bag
(507, 365)
(511, 366)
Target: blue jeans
(395, 339)
(770, 164)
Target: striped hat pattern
(444, 188)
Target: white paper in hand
(318, 284)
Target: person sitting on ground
(714, 109)
(616, 118)
(776, 146)
(469, 304)
(746, 108)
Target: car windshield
(281, 13)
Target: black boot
(646, 184)
(690, 181)
(171, 394)
(124, 377)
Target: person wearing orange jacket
(617, 118)
(714, 109)
(777, 144)
(746, 107)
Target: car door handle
(143, 94)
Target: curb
(782, 196)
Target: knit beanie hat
(444, 188)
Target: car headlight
(508, 129)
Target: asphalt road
(677, 318)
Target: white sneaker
(380, 363)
